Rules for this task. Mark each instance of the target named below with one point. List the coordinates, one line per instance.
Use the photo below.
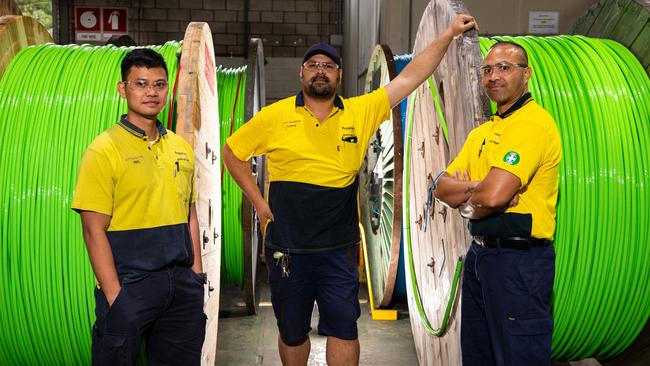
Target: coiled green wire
(599, 96)
(54, 101)
(231, 90)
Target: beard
(325, 90)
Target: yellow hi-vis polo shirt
(525, 142)
(146, 187)
(313, 167)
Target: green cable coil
(599, 96)
(54, 101)
(231, 90)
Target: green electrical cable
(599, 96)
(54, 100)
(231, 91)
(406, 228)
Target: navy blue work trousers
(164, 308)
(505, 317)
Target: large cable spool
(625, 21)
(16, 33)
(241, 97)
(435, 238)
(253, 240)
(380, 186)
(197, 116)
(601, 233)
(9, 7)
(47, 303)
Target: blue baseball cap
(323, 49)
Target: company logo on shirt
(511, 158)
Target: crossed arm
(479, 199)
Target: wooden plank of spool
(382, 270)
(197, 122)
(625, 21)
(253, 240)
(9, 7)
(16, 33)
(436, 250)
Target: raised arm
(423, 65)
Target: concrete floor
(252, 340)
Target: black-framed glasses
(500, 68)
(315, 65)
(140, 84)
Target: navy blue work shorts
(164, 308)
(331, 279)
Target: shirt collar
(300, 100)
(522, 101)
(137, 131)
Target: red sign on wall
(99, 24)
(114, 20)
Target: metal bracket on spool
(436, 135)
(443, 212)
(206, 239)
(432, 265)
(209, 212)
(421, 149)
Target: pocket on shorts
(529, 340)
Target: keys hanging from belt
(283, 260)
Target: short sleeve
(521, 150)
(251, 139)
(95, 184)
(461, 162)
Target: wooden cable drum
(625, 21)
(436, 239)
(16, 33)
(9, 7)
(253, 238)
(380, 187)
(196, 121)
(44, 265)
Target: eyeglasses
(315, 65)
(501, 68)
(140, 84)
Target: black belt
(511, 243)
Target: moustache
(320, 77)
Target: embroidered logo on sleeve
(511, 158)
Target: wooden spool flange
(251, 229)
(436, 250)
(197, 122)
(380, 186)
(16, 33)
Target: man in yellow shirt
(315, 143)
(135, 195)
(505, 181)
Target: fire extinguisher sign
(100, 24)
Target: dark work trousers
(505, 318)
(164, 308)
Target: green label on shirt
(511, 158)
